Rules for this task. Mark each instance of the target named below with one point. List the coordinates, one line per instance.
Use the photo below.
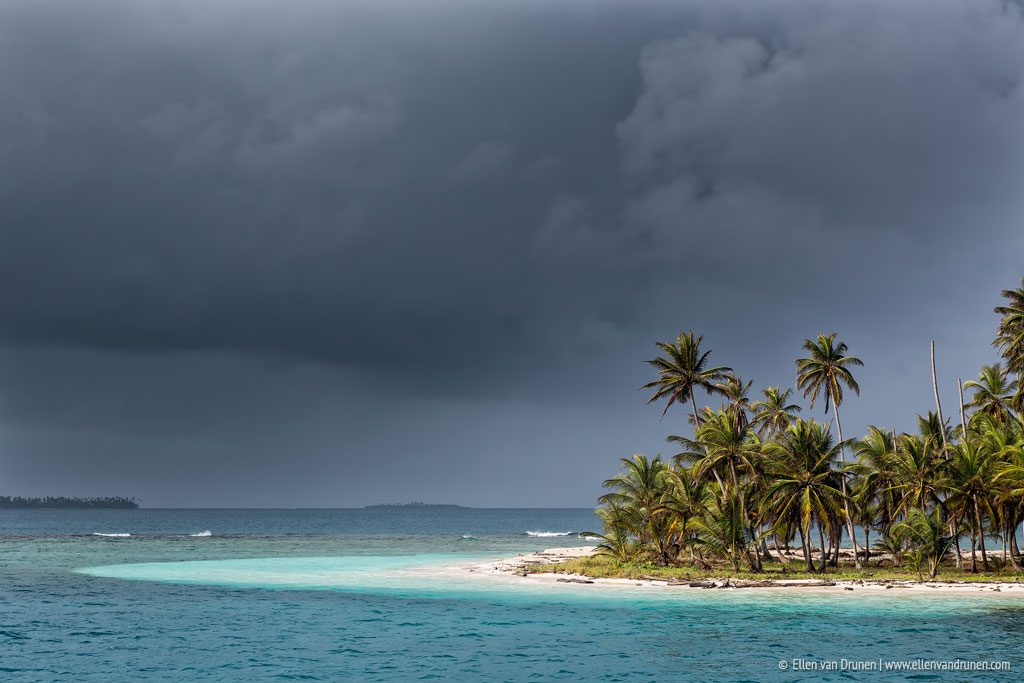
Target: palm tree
(993, 391)
(721, 528)
(875, 453)
(927, 538)
(1006, 441)
(616, 541)
(774, 413)
(917, 472)
(637, 491)
(736, 396)
(804, 483)
(726, 448)
(683, 369)
(1010, 335)
(969, 479)
(937, 437)
(683, 503)
(826, 371)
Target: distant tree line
(66, 502)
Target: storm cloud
(336, 253)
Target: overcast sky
(341, 253)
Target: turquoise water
(380, 596)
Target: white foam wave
(469, 537)
(96, 533)
(547, 534)
(202, 534)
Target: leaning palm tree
(993, 391)
(1010, 335)
(774, 413)
(825, 371)
(682, 369)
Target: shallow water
(364, 595)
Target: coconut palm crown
(682, 369)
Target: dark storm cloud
(450, 202)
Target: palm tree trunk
(1014, 550)
(824, 552)
(963, 418)
(981, 535)
(752, 558)
(764, 550)
(867, 542)
(696, 418)
(938, 403)
(807, 550)
(782, 557)
(846, 504)
(954, 524)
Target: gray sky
(340, 253)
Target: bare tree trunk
(963, 418)
(938, 404)
(846, 504)
(952, 522)
(696, 418)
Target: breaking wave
(547, 534)
(202, 534)
(96, 533)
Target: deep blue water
(363, 595)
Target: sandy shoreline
(523, 567)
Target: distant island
(389, 506)
(9, 502)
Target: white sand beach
(523, 568)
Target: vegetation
(756, 488)
(65, 502)
(605, 567)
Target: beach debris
(573, 580)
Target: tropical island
(757, 492)
(14, 502)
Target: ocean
(367, 595)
